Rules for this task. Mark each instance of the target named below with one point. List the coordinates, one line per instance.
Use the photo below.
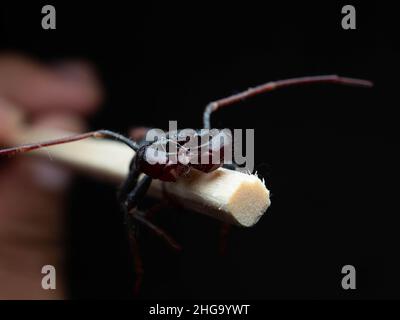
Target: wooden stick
(227, 195)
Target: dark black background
(328, 153)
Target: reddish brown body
(156, 160)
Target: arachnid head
(168, 159)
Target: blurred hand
(32, 190)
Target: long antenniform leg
(101, 134)
(270, 86)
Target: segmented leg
(142, 218)
(129, 184)
(138, 263)
(131, 192)
(137, 193)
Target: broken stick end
(250, 201)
